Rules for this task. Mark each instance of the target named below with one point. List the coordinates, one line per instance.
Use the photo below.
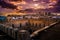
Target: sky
(16, 5)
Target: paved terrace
(33, 26)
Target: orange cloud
(53, 0)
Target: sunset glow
(33, 4)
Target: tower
(23, 35)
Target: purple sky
(7, 8)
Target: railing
(21, 33)
(16, 33)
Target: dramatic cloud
(15, 0)
(31, 4)
(7, 5)
(58, 6)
